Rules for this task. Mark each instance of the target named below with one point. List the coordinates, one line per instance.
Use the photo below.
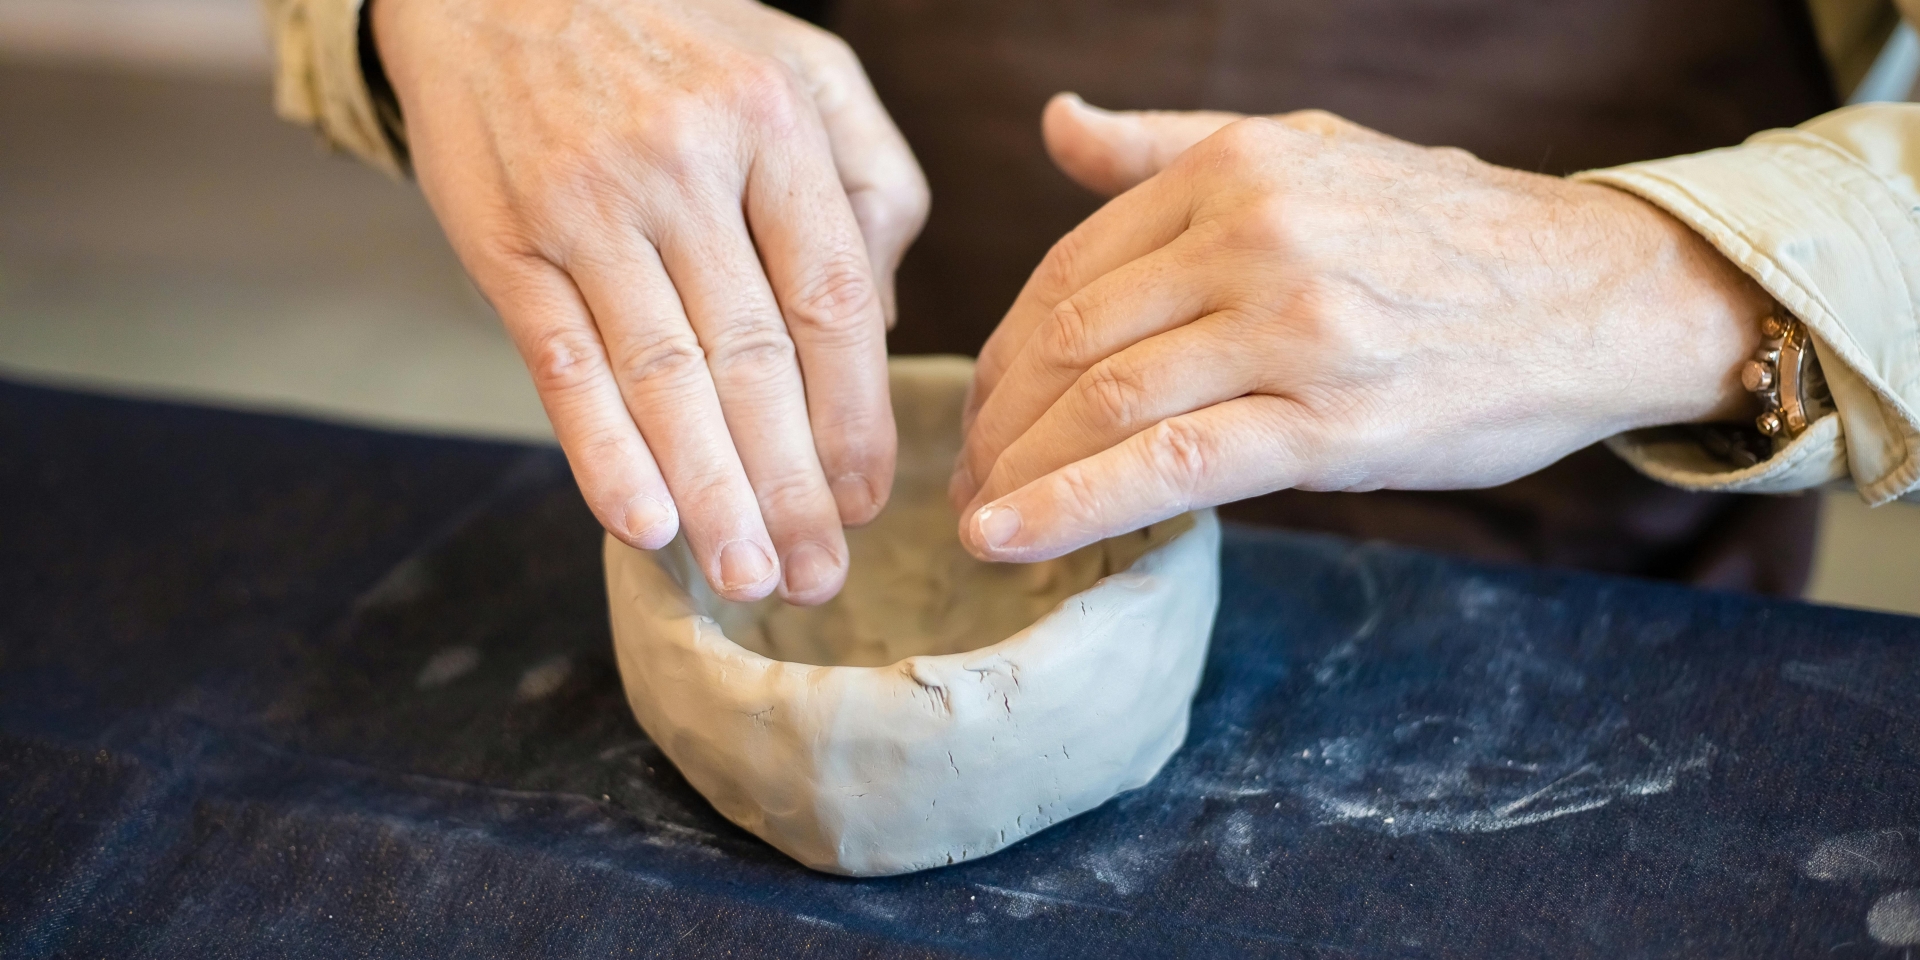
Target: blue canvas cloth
(270, 688)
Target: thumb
(1109, 151)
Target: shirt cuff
(319, 82)
(1837, 244)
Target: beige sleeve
(318, 82)
(1827, 217)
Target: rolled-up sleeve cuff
(1837, 245)
(319, 82)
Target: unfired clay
(940, 708)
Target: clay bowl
(940, 708)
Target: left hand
(1300, 302)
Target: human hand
(688, 214)
(1300, 302)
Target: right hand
(1299, 302)
(688, 214)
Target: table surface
(276, 688)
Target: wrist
(1695, 318)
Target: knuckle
(753, 352)
(507, 256)
(1248, 137)
(1325, 339)
(861, 441)
(890, 215)
(833, 47)
(835, 299)
(1457, 156)
(1067, 343)
(563, 359)
(569, 180)
(1179, 453)
(676, 133)
(603, 462)
(825, 68)
(509, 271)
(664, 360)
(793, 494)
(1057, 277)
(901, 201)
(607, 448)
(1076, 490)
(1115, 392)
(1272, 223)
(709, 493)
(765, 91)
(1318, 121)
(826, 51)
(916, 200)
(1339, 340)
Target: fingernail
(854, 495)
(644, 517)
(810, 568)
(743, 563)
(997, 525)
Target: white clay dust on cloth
(939, 708)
